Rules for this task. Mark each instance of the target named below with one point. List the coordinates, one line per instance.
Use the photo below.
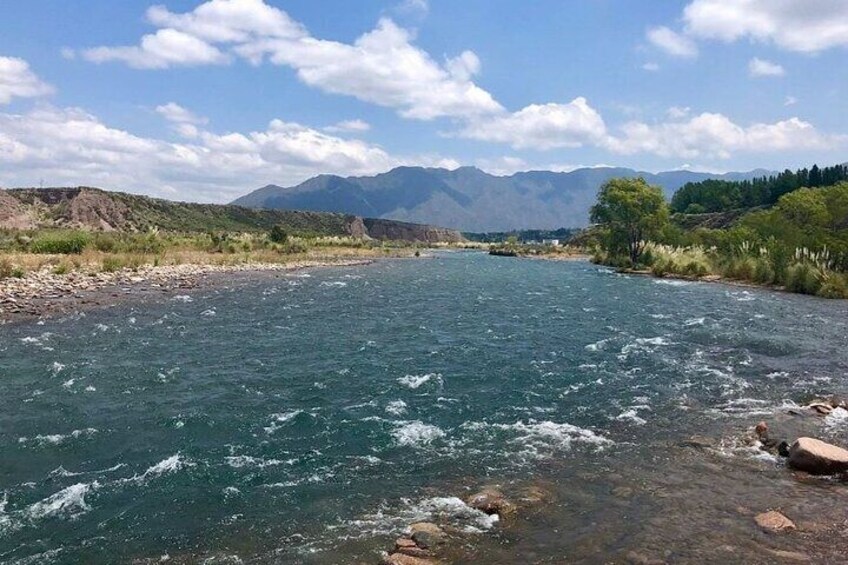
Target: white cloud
(805, 26)
(790, 101)
(678, 112)
(349, 126)
(762, 68)
(541, 126)
(161, 50)
(71, 147)
(175, 113)
(18, 81)
(382, 66)
(651, 67)
(714, 136)
(671, 42)
(417, 7)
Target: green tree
(633, 212)
(278, 234)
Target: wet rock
(491, 501)
(774, 521)
(820, 408)
(404, 543)
(636, 558)
(534, 495)
(426, 540)
(401, 559)
(699, 442)
(428, 528)
(817, 457)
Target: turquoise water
(308, 417)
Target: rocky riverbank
(45, 293)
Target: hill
(467, 198)
(95, 209)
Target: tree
(633, 212)
(278, 234)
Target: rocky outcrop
(773, 521)
(403, 231)
(817, 457)
(13, 215)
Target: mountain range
(467, 198)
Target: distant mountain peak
(467, 198)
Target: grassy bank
(803, 271)
(66, 251)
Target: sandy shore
(44, 294)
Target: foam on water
(415, 381)
(57, 439)
(396, 407)
(69, 501)
(416, 434)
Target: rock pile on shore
(42, 292)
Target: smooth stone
(817, 457)
(774, 521)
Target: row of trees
(720, 196)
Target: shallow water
(309, 417)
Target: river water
(308, 417)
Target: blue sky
(208, 100)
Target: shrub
(834, 285)
(803, 278)
(278, 234)
(5, 269)
(112, 264)
(105, 243)
(61, 269)
(61, 243)
(18, 272)
(763, 272)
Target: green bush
(278, 234)
(763, 272)
(61, 243)
(834, 285)
(803, 278)
(112, 264)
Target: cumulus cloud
(715, 136)
(382, 66)
(541, 126)
(349, 126)
(762, 68)
(161, 50)
(175, 113)
(18, 81)
(71, 147)
(671, 42)
(805, 26)
(651, 67)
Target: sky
(206, 101)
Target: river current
(308, 417)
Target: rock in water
(817, 457)
(491, 501)
(774, 521)
(401, 559)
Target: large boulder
(817, 457)
(401, 559)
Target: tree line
(721, 196)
